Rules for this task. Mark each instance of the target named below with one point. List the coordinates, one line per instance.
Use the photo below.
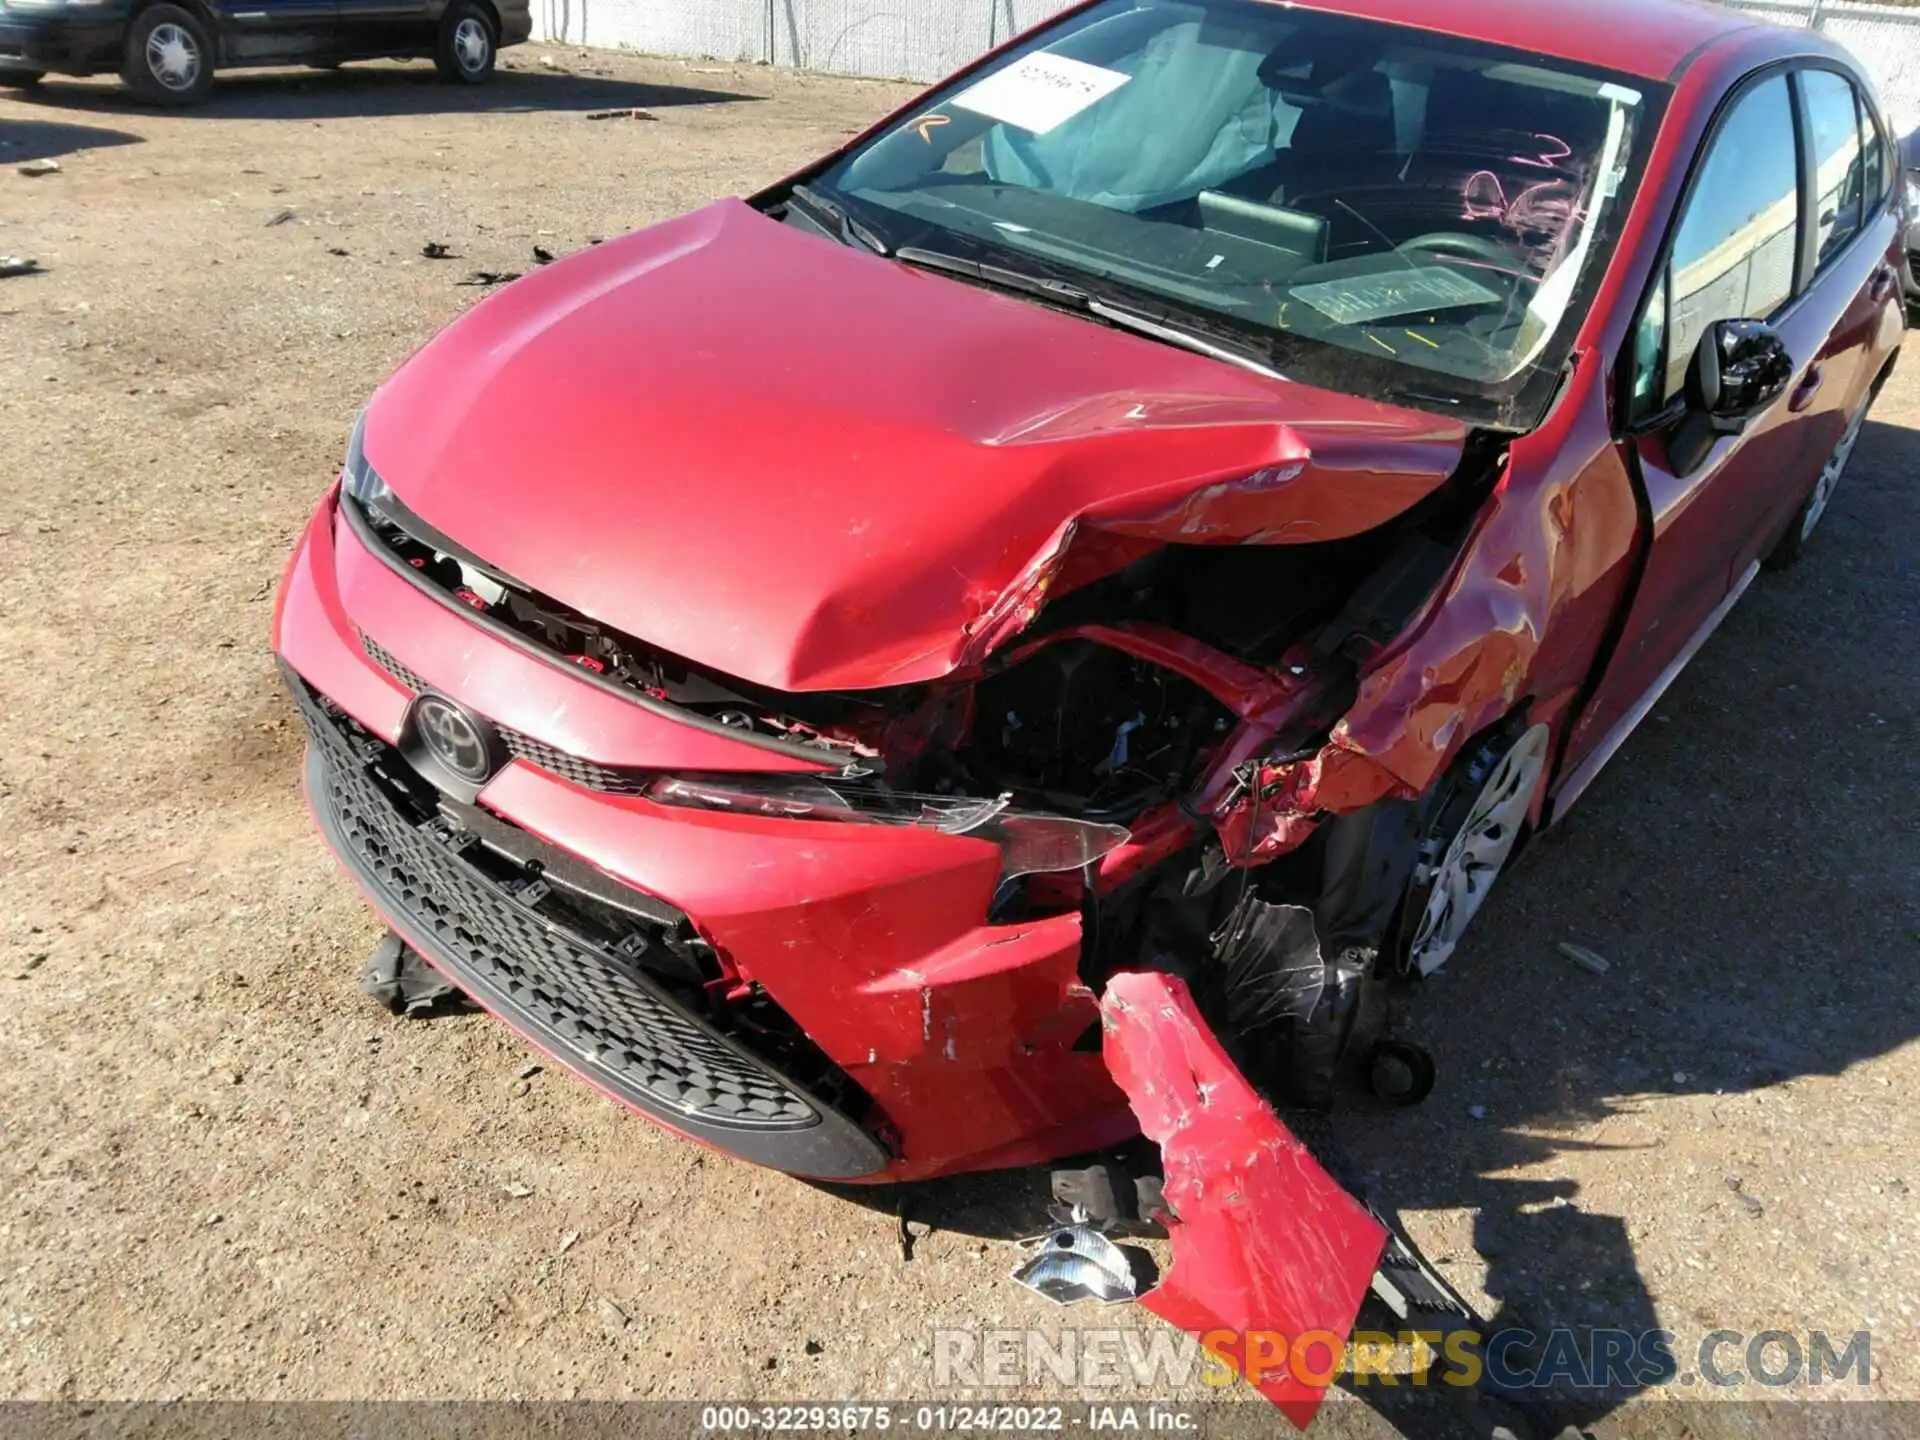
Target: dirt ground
(224, 1174)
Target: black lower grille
(598, 1014)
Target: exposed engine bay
(1099, 748)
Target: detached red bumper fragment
(1271, 1257)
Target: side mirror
(1741, 368)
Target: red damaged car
(1035, 628)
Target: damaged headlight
(357, 477)
(1030, 843)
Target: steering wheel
(1475, 247)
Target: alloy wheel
(472, 44)
(1478, 851)
(1830, 474)
(173, 57)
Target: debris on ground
(514, 1190)
(569, 1240)
(1476, 1112)
(337, 250)
(612, 1317)
(279, 217)
(631, 112)
(489, 277)
(434, 250)
(398, 977)
(1752, 1206)
(34, 169)
(1589, 960)
(11, 265)
(1077, 1262)
(542, 255)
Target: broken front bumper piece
(1271, 1256)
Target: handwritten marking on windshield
(1556, 151)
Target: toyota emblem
(459, 741)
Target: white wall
(926, 39)
(894, 39)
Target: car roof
(1648, 38)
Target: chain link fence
(1884, 38)
(925, 39)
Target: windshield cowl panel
(1370, 208)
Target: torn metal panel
(880, 535)
(1267, 1246)
(1549, 556)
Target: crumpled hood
(812, 468)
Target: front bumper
(60, 44)
(962, 1045)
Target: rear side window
(1736, 250)
(1833, 130)
(1873, 149)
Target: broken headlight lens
(357, 477)
(1030, 843)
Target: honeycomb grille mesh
(613, 1024)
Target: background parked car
(167, 53)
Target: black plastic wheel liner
(606, 1021)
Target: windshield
(1377, 209)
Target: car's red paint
(1271, 1257)
(905, 471)
(893, 451)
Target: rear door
(1741, 249)
(272, 32)
(389, 27)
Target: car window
(1833, 128)
(1371, 207)
(1736, 249)
(1873, 147)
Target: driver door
(1737, 252)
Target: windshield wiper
(850, 230)
(1161, 328)
(1065, 292)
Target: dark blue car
(167, 50)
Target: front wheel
(464, 52)
(169, 59)
(1807, 518)
(1480, 816)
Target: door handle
(1804, 392)
(1881, 287)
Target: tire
(1813, 509)
(169, 59)
(466, 47)
(1476, 822)
(21, 79)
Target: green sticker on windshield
(1414, 291)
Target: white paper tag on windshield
(1040, 92)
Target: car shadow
(24, 140)
(1745, 867)
(389, 89)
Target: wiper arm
(835, 214)
(1065, 292)
(986, 272)
(1160, 329)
